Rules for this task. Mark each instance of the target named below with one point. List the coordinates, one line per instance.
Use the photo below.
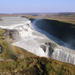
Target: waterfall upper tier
(35, 42)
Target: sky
(36, 6)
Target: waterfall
(37, 43)
(63, 55)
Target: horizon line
(37, 13)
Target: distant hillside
(68, 17)
(65, 17)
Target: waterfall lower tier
(59, 52)
(63, 55)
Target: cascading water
(64, 55)
(37, 43)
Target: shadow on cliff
(60, 30)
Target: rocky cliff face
(37, 43)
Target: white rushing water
(35, 42)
